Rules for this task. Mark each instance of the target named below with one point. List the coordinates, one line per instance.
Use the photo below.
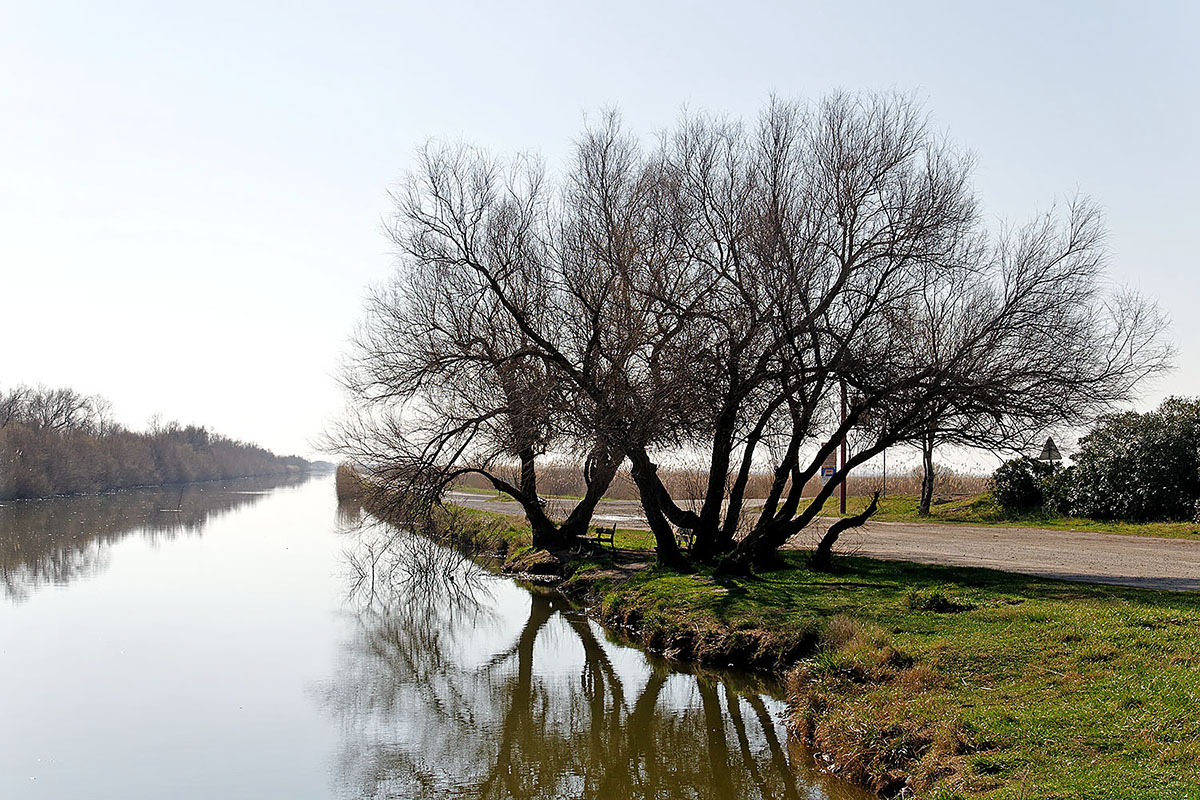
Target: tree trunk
(758, 548)
(927, 476)
(665, 546)
(708, 532)
(599, 471)
(822, 557)
(527, 482)
(546, 534)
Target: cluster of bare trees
(716, 294)
(59, 409)
(59, 441)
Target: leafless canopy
(718, 292)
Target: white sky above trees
(190, 194)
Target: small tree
(1075, 352)
(445, 381)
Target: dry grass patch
(882, 745)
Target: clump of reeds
(688, 484)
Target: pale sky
(191, 193)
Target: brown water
(248, 640)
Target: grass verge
(952, 682)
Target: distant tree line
(60, 441)
(1130, 466)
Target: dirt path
(1143, 561)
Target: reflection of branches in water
(390, 565)
(58, 540)
(443, 693)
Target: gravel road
(1143, 561)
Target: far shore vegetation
(61, 442)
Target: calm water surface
(250, 640)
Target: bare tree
(59, 409)
(720, 292)
(13, 404)
(1064, 349)
(447, 368)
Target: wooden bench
(604, 536)
(685, 538)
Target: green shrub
(1058, 491)
(1017, 485)
(935, 599)
(1140, 466)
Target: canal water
(252, 640)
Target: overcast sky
(190, 193)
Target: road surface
(1143, 561)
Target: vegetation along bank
(935, 681)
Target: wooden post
(842, 488)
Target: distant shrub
(1140, 466)
(937, 600)
(1058, 491)
(1018, 485)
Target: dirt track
(1144, 561)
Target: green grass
(458, 487)
(982, 510)
(1034, 688)
(503, 533)
(965, 682)
(504, 498)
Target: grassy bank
(954, 682)
(948, 682)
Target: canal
(252, 640)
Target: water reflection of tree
(59, 540)
(446, 693)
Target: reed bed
(566, 480)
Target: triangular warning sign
(1050, 452)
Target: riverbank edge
(621, 596)
(909, 679)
